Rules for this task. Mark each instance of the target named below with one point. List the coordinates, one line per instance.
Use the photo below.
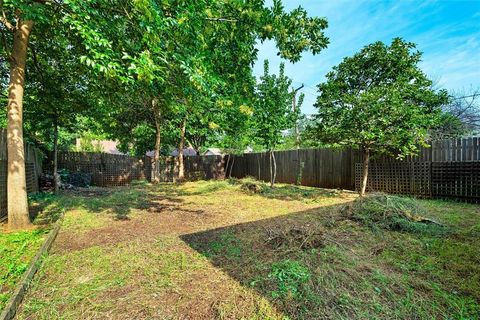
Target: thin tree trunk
(366, 160)
(156, 153)
(226, 167)
(258, 163)
(181, 169)
(231, 167)
(298, 179)
(274, 169)
(56, 177)
(271, 169)
(17, 203)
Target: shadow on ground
(319, 264)
(120, 201)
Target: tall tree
(16, 24)
(379, 101)
(273, 113)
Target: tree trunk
(231, 167)
(56, 177)
(366, 160)
(298, 177)
(258, 164)
(156, 153)
(181, 169)
(274, 169)
(226, 167)
(17, 203)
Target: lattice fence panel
(397, 177)
(456, 180)
(105, 169)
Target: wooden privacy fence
(118, 170)
(327, 168)
(447, 169)
(195, 168)
(33, 168)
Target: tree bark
(226, 167)
(181, 146)
(56, 177)
(231, 167)
(258, 164)
(17, 203)
(366, 161)
(274, 169)
(156, 153)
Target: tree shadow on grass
(277, 257)
(120, 201)
(320, 264)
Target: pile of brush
(382, 211)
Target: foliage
(378, 100)
(89, 143)
(16, 250)
(289, 276)
(273, 112)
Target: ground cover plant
(217, 250)
(16, 251)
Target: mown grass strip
(11, 308)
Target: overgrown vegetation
(210, 249)
(383, 211)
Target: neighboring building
(188, 152)
(248, 150)
(213, 152)
(106, 146)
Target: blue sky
(447, 32)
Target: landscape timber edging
(11, 308)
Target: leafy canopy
(378, 100)
(273, 112)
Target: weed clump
(388, 212)
(289, 276)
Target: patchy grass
(217, 250)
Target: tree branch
(6, 23)
(222, 19)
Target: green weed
(288, 276)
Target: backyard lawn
(219, 250)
